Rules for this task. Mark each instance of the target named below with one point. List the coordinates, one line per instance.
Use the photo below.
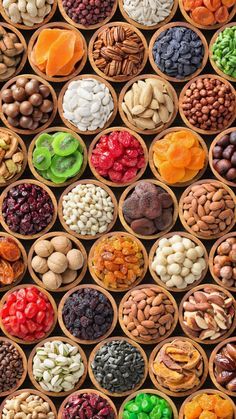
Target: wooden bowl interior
(13, 29)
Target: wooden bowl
(181, 98)
(49, 182)
(29, 236)
(24, 362)
(149, 391)
(174, 25)
(161, 338)
(90, 260)
(84, 391)
(103, 179)
(93, 354)
(77, 245)
(212, 255)
(60, 208)
(204, 391)
(127, 193)
(21, 26)
(215, 351)
(118, 78)
(181, 315)
(31, 391)
(152, 253)
(63, 326)
(213, 143)
(155, 170)
(213, 40)
(209, 27)
(50, 299)
(181, 213)
(36, 383)
(40, 128)
(60, 104)
(150, 27)
(21, 147)
(165, 389)
(91, 27)
(79, 66)
(21, 38)
(23, 257)
(161, 127)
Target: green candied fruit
(45, 140)
(147, 406)
(143, 416)
(134, 408)
(140, 397)
(156, 413)
(224, 51)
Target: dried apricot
(212, 5)
(170, 173)
(223, 408)
(9, 250)
(184, 138)
(178, 155)
(203, 16)
(6, 272)
(222, 14)
(206, 414)
(197, 159)
(192, 410)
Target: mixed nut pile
(27, 12)
(11, 51)
(11, 156)
(25, 404)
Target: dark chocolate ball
(231, 174)
(26, 108)
(36, 99)
(32, 87)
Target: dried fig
(165, 220)
(143, 226)
(166, 200)
(131, 207)
(150, 205)
(144, 186)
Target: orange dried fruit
(224, 408)
(188, 5)
(192, 410)
(161, 147)
(189, 174)
(9, 250)
(156, 160)
(212, 5)
(6, 272)
(228, 3)
(206, 414)
(207, 401)
(203, 16)
(178, 155)
(198, 156)
(184, 138)
(45, 39)
(60, 52)
(170, 173)
(222, 14)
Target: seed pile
(148, 314)
(118, 52)
(88, 209)
(223, 51)
(149, 209)
(225, 367)
(86, 12)
(57, 366)
(148, 12)
(224, 156)
(224, 262)
(25, 404)
(147, 406)
(148, 104)
(208, 314)
(118, 366)
(178, 52)
(11, 51)
(11, 261)
(11, 366)
(87, 314)
(11, 156)
(87, 104)
(178, 366)
(90, 404)
(27, 12)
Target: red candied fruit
(27, 314)
(118, 156)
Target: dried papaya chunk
(18, 269)
(203, 16)
(212, 5)
(222, 14)
(6, 272)
(197, 159)
(45, 39)
(61, 51)
(78, 54)
(178, 155)
(170, 173)
(9, 250)
(184, 138)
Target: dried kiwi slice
(67, 166)
(45, 140)
(41, 158)
(43, 173)
(55, 179)
(64, 144)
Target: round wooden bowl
(13, 29)
(154, 169)
(209, 27)
(21, 26)
(181, 212)
(86, 391)
(77, 245)
(93, 354)
(215, 351)
(103, 179)
(24, 362)
(161, 338)
(213, 143)
(50, 299)
(165, 389)
(213, 40)
(90, 261)
(152, 253)
(156, 35)
(53, 98)
(29, 236)
(23, 257)
(127, 193)
(149, 391)
(125, 89)
(181, 315)
(60, 208)
(148, 27)
(91, 27)
(47, 181)
(79, 66)
(21, 147)
(63, 326)
(181, 98)
(82, 77)
(204, 391)
(118, 78)
(36, 383)
(212, 255)
(31, 391)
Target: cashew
(6, 3)
(20, 415)
(12, 149)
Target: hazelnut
(226, 272)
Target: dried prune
(166, 200)
(143, 226)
